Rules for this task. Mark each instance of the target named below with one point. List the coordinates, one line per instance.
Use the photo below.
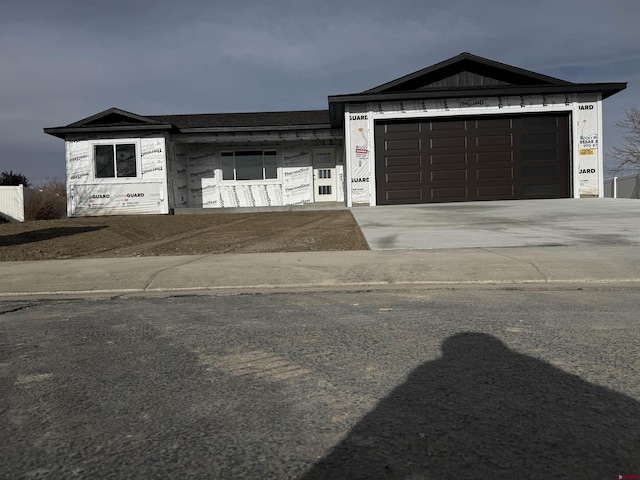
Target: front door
(324, 175)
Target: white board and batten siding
(144, 194)
(585, 113)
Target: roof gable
(466, 71)
(110, 121)
(114, 117)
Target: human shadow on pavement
(483, 411)
(44, 234)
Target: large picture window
(115, 161)
(249, 165)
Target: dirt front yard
(151, 235)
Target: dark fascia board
(337, 102)
(607, 89)
(63, 132)
(118, 111)
(537, 77)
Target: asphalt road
(473, 382)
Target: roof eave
(63, 132)
(604, 88)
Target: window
(323, 158)
(249, 165)
(324, 173)
(114, 161)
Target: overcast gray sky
(64, 60)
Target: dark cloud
(62, 61)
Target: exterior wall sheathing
(91, 196)
(173, 175)
(195, 177)
(586, 120)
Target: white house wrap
(88, 194)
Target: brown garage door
(469, 159)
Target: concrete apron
(521, 223)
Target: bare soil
(152, 235)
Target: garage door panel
(448, 175)
(540, 171)
(439, 126)
(407, 144)
(402, 161)
(543, 155)
(405, 196)
(538, 121)
(494, 140)
(451, 194)
(494, 157)
(402, 127)
(402, 135)
(494, 192)
(448, 142)
(449, 159)
(479, 158)
(494, 173)
(404, 177)
(540, 139)
(540, 191)
(493, 123)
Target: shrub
(15, 179)
(47, 202)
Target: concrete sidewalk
(325, 270)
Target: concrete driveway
(522, 223)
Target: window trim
(225, 153)
(114, 142)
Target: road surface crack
(15, 309)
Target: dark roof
(117, 120)
(317, 118)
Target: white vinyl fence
(12, 203)
(623, 187)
